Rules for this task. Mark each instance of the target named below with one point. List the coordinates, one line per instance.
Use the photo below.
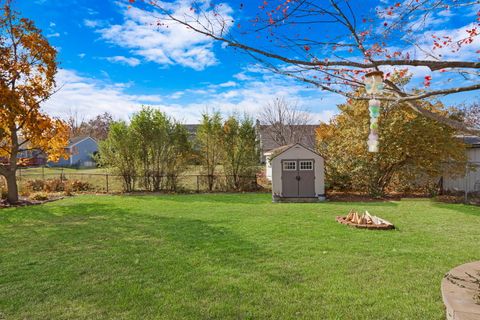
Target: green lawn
(232, 256)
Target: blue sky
(112, 59)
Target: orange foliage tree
(27, 78)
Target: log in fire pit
(365, 221)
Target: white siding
(471, 180)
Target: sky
(113, 59)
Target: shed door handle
(298, 178)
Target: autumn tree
(285, 122)
(240, 150)
(332, 44)
(411, 147)
(27, 78)
(209, 143)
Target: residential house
(470, 182)
(81, 151)
(269, 137)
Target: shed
(298, 174)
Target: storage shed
(298, 174)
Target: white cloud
(53, 35)
(132, 62)
(92, 23)
(91, 96)
(228, 84)
(168, 43)
(82, 55)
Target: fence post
(198, 184)
(43, 173)
(61, 175)
(106, 180)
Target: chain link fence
(45, 179)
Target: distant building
(268, 139)
(81, 151)
(470, 182)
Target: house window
(306, 165)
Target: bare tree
(332, 44)
(286, 122)
(75, 122)
(472, 115)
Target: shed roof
(278, 151)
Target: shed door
(298, 178)
(306, 184)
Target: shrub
(41, 196)
(35, 185)
(77, 185)
(54, 185)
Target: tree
(120, 151)
(27, 78)
(240, 150)
(96, 128)
(287, 123)
(332, 44)
(209, 141)
(410, 144)
(163, 148)
(471, 114)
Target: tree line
(153, 150)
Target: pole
(43, 173)
(106, 180)
(198, 184)
(466, 183)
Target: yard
(234, 256)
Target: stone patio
(461, 292)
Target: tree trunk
(12, 195)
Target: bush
(77, 185)
(39, 196)
(35, 185)
(54, 185)
(3, 193)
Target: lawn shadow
(459, 207)
(230, 198)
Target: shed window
(289, 165)
(306, 165)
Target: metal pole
(198, 184)
(466, 183)
(106, 179)
(43, 172)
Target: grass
(234, 256)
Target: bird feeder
(373, 85)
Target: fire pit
(365, 221)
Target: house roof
(278, 151)
(191, 128)
(76, 140)
(268, 142)
(473, 141)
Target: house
(271, 137)
(298, 174)
(470, 182)
(81, 151)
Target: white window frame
(286, 163)
(303, 162)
